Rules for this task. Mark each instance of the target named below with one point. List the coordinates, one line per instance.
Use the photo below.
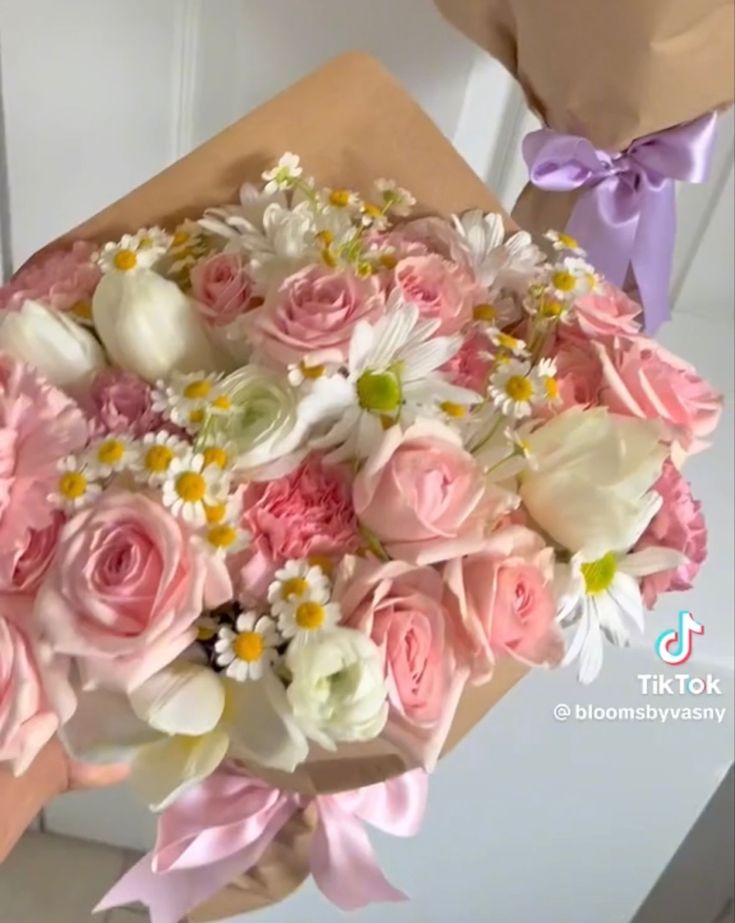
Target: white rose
(63, 351)
(592, 488)
(149, 326)
(337, 691)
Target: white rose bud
(149, 326)
(62, 351)
(338, 692)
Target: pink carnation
(679, 524)
(470, 366)
(121, 402)
(441, 290)
(22, 569)
(62, 279)
(35, 696)
(39, 425)
(222, 288)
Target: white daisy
(342, 199)
(564, 242)
(250, 650)
(572, 278)
(190, 488)
(223, 538)
(508, 343)
(112, 454)
(545, 372)
(394, 197)
(188, 400)
(218, 451)
(392, 373)
(496, 262)
(374, 217)
(514, 388)
(156, 452)
(283, 175)
(134, 251)
(76, 487)
(309, 619)
(296, 582)
(600, 595)
(305, 371)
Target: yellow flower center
(566, 240)
(248, 646)
(222, 536)
(328, 258)
(191, 487)
(340, 198)
(519, 388)
(205, 633)
(599, 574)
(294, 586)
(312, 371)
(379, 392)
(125, 260)
(364, 269)
(180, 238)
(564, 281)
(506, 341)
(197, 390)
(158, 458)
(484, 312)
(215, 455)
(550, 307)
(310, 616)
(388, 260)
(321, 561)
(196, 417)
(110, 452)
(73, 485)
(81, 309)
(222, 402)
(453, 410)
(325, 237)
(372, 211)
(215, 513)
(552, 388)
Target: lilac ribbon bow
(627, 216)
(221, 828)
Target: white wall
(529, 819)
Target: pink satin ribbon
(221, 828)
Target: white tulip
(591, 489)
(149, 326)
(182, 698)
(62, 350)
(338, 691)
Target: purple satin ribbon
(627, 216)
(221, 828)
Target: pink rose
(222, 289)
(313, 313)
(400, 607)
(64, 280)
(39, 425)
(22, 567)
(501, 601)
(308, 512)
(35, 697)
(607, 313)
(679, 524)
(470, 366)
(124, 589)
(441, 290)
(642, 379)
(578, 371)
(121, 402)
(423, 496)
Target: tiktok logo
(674, 646)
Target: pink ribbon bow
(221, 828)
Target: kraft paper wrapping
(351, 123)
(608, 70)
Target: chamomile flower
(296, 582)
(601, 596)
(345, 199)
(187, 400)
(564, 243)
(514, 388)
(303, 372)
(508, 343)
(156, 453)
(190, 488)
(111, 455)
(392, 374)
(572, 278)
(227, 510)
(218, 451)
(307, 620)
(374, 217)
(223, 538)
(394, 197)
(134, 251)
(250, 650)
(76, 486)
(546, 374)
(283, 175)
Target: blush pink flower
(607, 313)
(65, 280)
(578, 371)
(423, 496)
(400, 607)
(222, 289)
(35, 696)
(441, 290)
(679, 524)
(312, 315)
(500, 600)
(642, 379)
(470, 366)
(39, 425)
(125, 588)
(122, 402)
(23, 567)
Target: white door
(529, 819)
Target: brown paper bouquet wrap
(323, 118)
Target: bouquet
(291, 477)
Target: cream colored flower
(250, 649)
